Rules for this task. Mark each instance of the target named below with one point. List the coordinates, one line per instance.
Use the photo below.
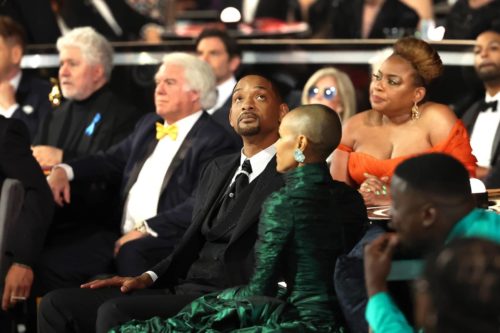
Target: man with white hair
(157, 166)
(92, 118)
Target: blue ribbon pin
(90, 129)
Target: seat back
(11, 202)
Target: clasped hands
(375, 191)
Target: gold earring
(415, 113)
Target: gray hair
(198, 74)
(345, 89)
(96, 50)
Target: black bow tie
(484, 106)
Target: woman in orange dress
(400, 124)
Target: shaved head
(319, 123)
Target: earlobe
(428, 216)
(420, 94)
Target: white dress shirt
(142, 200)
(483, 132)
(14, 82)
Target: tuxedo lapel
(223, 170)
(495, 146)
(250, 209)
(470, 116)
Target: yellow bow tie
(162, 131)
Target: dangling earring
(299, 155)
(415, 113)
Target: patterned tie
(485, 106)
(241, 180)
(162, 131)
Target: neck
(396, 119)
(10, 74)
(493, 87)
(254, 144)
(450, 218)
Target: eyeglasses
(328, 93)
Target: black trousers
(99, 310)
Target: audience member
(482, 119)
(468, 18)
(216, 252)
(331, 87)
(372, 19)
(158, 167)
(460, 288)
(400, 124)
(22, 96)
(432, 205)
(300, 236)
(26, 236)
(92, 118)
(222, 53)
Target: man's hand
(59, 184)
(126, 284)
(47, 156)
(7, 95)
(129, 236)
(18, 283)
(377, 261)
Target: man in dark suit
(223, 54)
(217, 249)
(158, 167)
(92, 118)
(26, 238)
(482, 119)
(22, 96)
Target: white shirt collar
(258, 161)
(14, 82)
(224, 90)
(489, 98)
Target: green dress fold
(299, 240)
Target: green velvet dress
(297, 245)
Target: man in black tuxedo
(22, 96)
(223, 54)
(26, 238)
(482, 119)
(158, 166)
(92, 118)
(217, 249)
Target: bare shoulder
(438, 119)
(352, 126)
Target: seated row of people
(178, 96)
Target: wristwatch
(141, 226)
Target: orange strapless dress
(456, 144)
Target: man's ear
(429, 215)
(16, 53)
(99, 72)
(283, 111)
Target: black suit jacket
(469, 119)
(117, 121)
(238, 256)
(348, 15)
(123, 162)
(16, 161)
(32, 95)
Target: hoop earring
(415, 113)
(299, 155)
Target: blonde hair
(345, 89)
